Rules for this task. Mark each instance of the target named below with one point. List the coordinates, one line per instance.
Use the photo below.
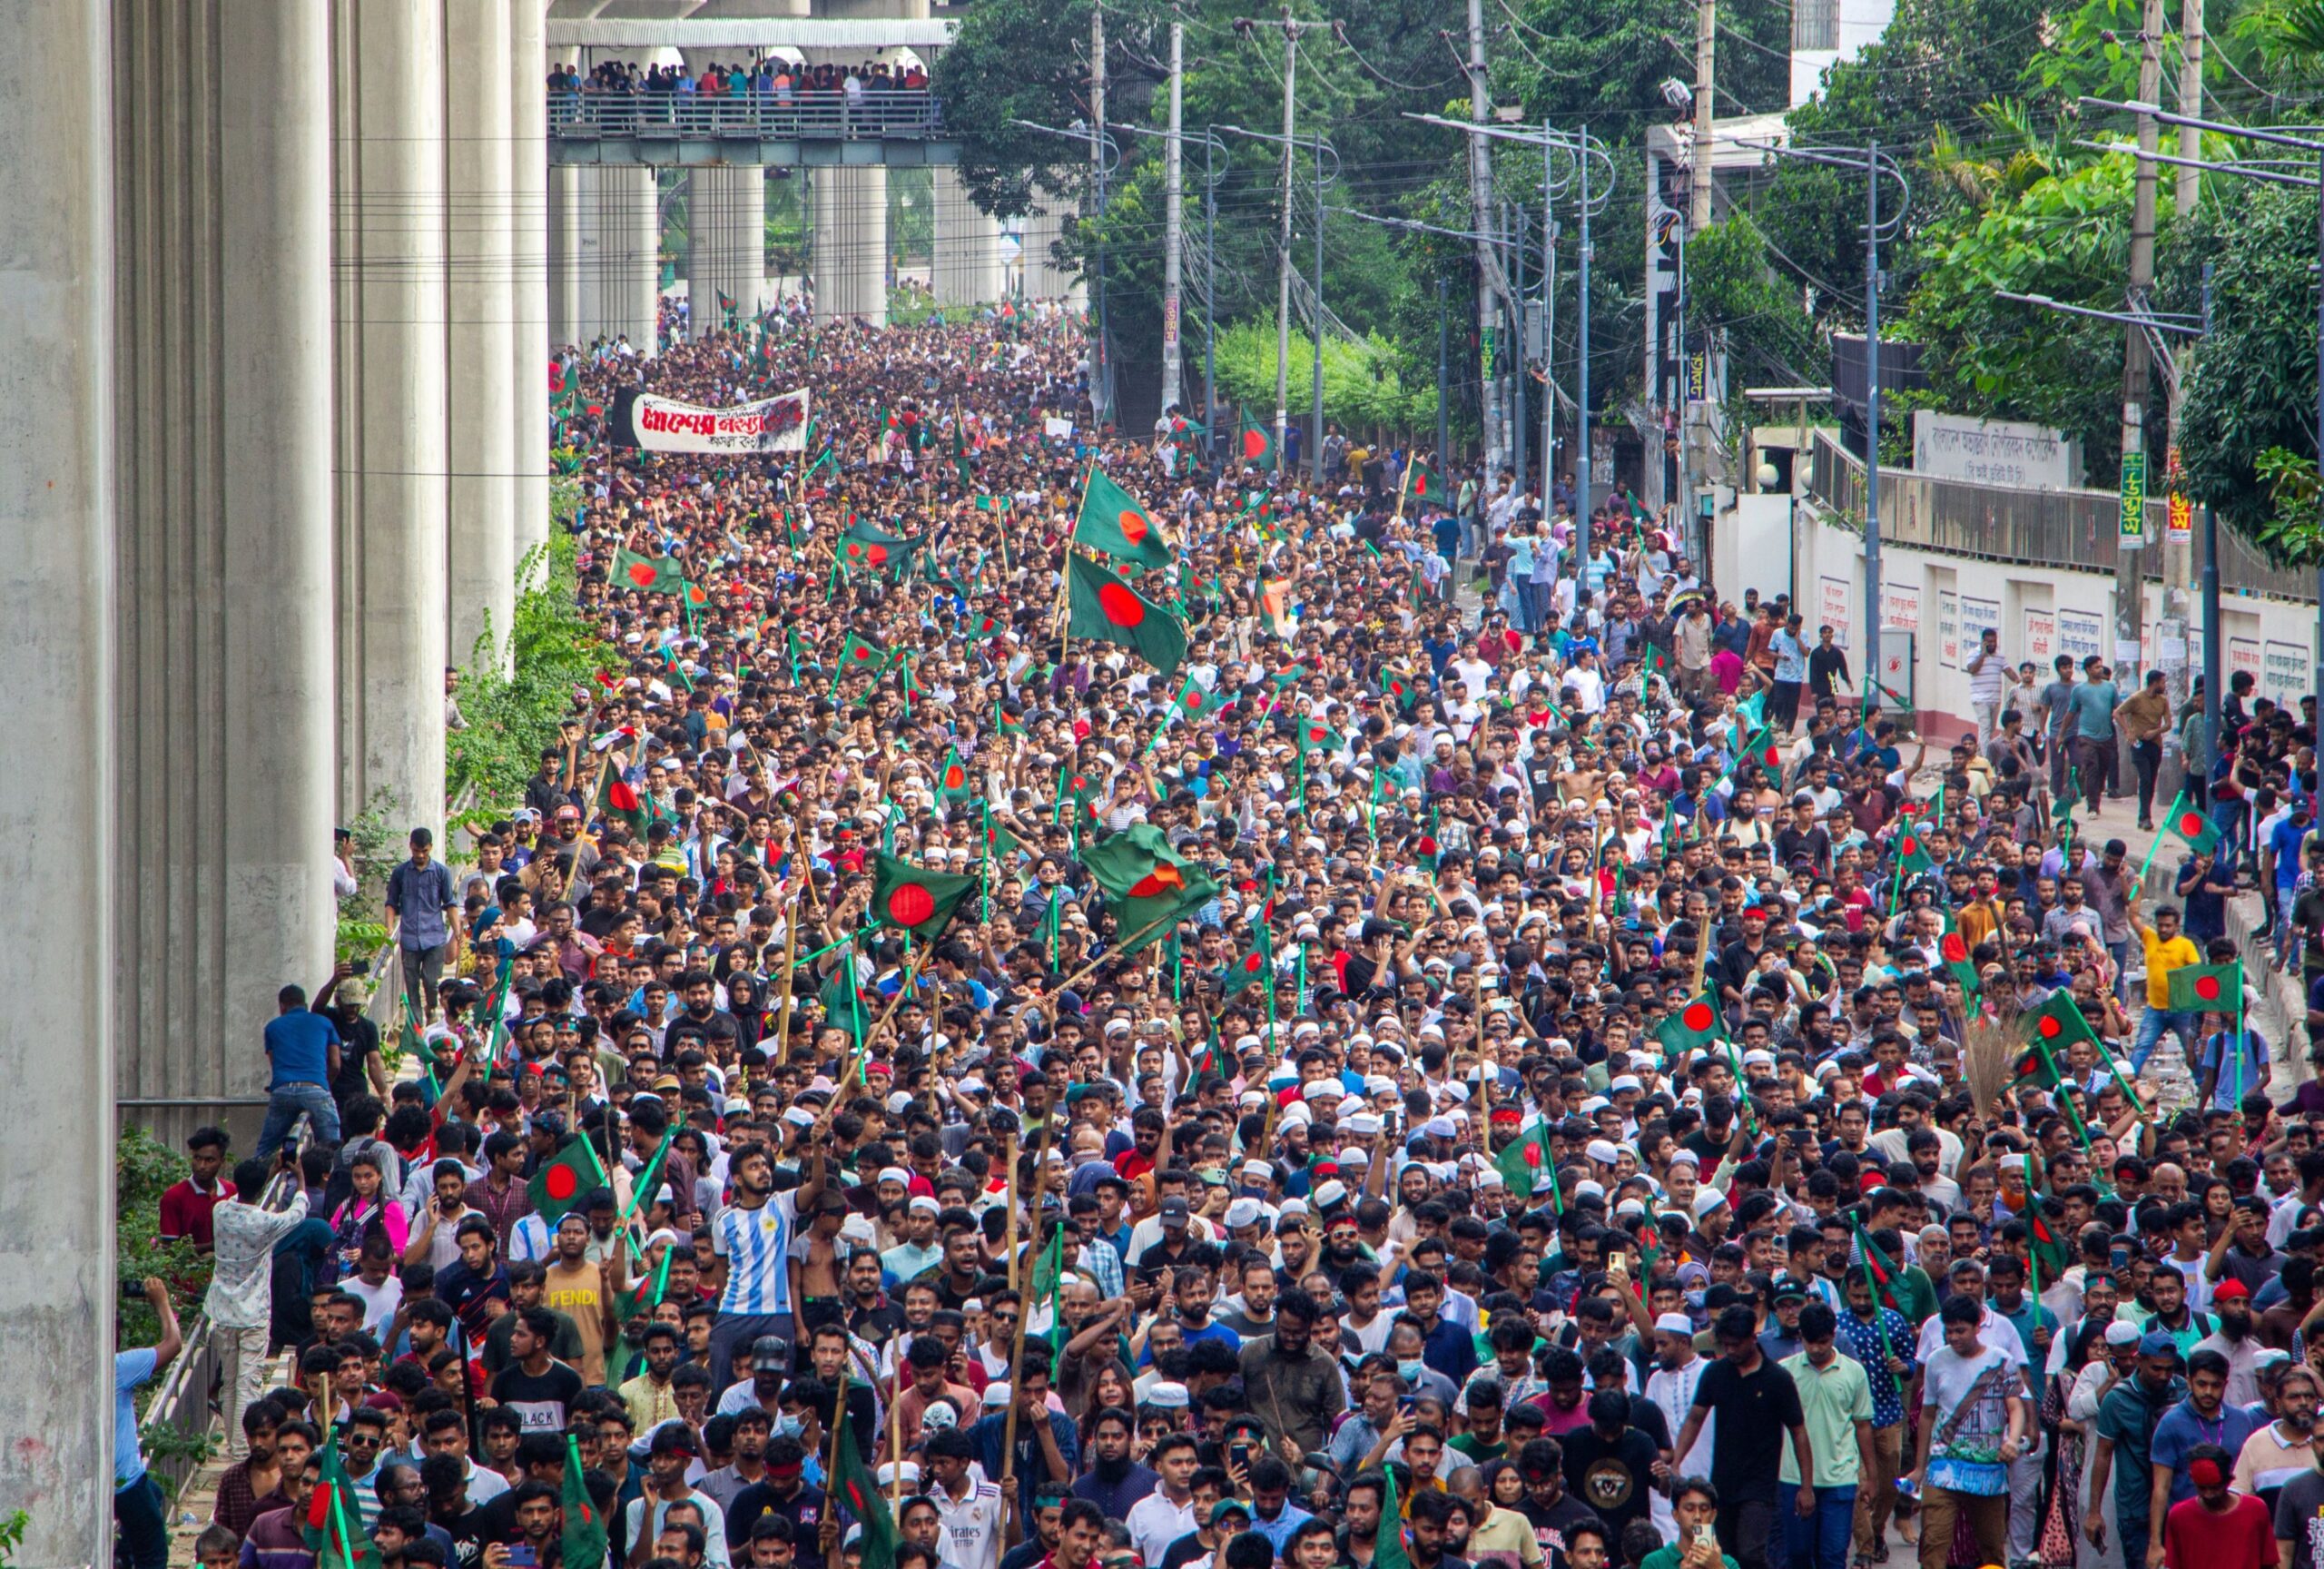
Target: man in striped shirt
(751, 1240)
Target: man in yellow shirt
(2167, 948)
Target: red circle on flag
(1316, 733)
(2207, 987)
(1254, 444)
(855, 550)
(2191, 824)
(954, 778)
(910, 905)
(1194, 698)
(1697, 1016)
(1121, 606)
(1908, 846)
(879, 555)
(2049, 1028)
(1251, 965)
(1533, 1155)
(561, 1183)
(863, 654)
(642, 574)
(1134, 525)
(1156, 881)
(1955, 951)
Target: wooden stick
(1013, 1524)
(1009, 1153)
(791, 919)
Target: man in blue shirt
(2093, 705)
(2204, 1416)
(138, 1510)
(303, 1047)
(420, 896)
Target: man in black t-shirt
(538, 1389)
(1757, 1406)
(1610, 1464)
(1550, 1510)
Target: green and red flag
(2193, 825)
(1695, 1025)
(1253, 442)
(2055, 1023)
(915, 901)
(1388, 1544)
(1317, 736)
(842, 1002)
(581, 1540)
(1880, 1271)
(619, 801)
(864, 545)
(1522, 1160)
(857, 1491)
(1103, 607)
(952, 778)
(1424, 485)
(983, 628)
(1912, 851)
(1398, 688)
(565, 1180)
(859, 653)
(2044, 1247)
(1954, 951)
(1148, 886)
(1115, 523)
(2207, 987)
(1252, 965)
(334, 1528)
(655, 574)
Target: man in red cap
(2217, 1528)
(2232, 1337)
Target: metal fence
(2069, 529)
(874, 116)
(182, 1404)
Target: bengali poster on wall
(1948, 629)
(2041, 638)
(2283, 671)
(1900, 607)
(2081, 634)
(1834, 605)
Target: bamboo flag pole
(1013, 1521)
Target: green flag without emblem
(857, 1491)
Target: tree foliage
(1365, 387)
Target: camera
(359, 966)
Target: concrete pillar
(226, 732)
(851, 248)
(725, 244)
(620, 247)
(388, 100)
(479, 340)
(968, 270)
(1044, 226)
(565, 256)
(528, 275)
(57, 628)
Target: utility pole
(1283, 258)
(1443, 369)
(1173, 223)
(1481, 206)
(1706, 48)
(1548, 320)
(2191, 101)
(1516, 357)
(2173, 647)
(1315, 437)
(1581, 374)
(1101, 384)
(2129, 579)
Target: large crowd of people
(1064, 999)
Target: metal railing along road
(181, 1403)
(2068, 529)
(880, 114)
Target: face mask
(1410, 1372)
(788, 1426)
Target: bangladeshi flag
(1880, 1270)
(916, 901)
(655, 574)
(2207, 987)
(1114, 523)
(952, 778)
(1695, 1025)
(1106, 608)
(565, 1180)
(334, 1529)
(1522, 1159)
(1763, 749)
(1252, 967)
(1148, 886)
(581, 1541)
(1253, 442)
(2193, 825)
(859, 653)
(854, 1489)
(1912, 851)
(864, 545)
(1425, 485)
(619, 801)
(1397, 687)
(1954, 951)
(1315, 735)
(1193, 699)
(2044, 1246)
(983, 627)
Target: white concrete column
(528, 270)
(565, 256)
(387, 99)
(620, 284)
(57, 629)
(725, 244)
(968, 270)
(480, 344)
(850, 246)
(1044, 226)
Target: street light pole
(1317, 435)
(1443, 366)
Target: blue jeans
(144, 1529)
(283, 1108)
(1820, 1541)
(2153, 1023)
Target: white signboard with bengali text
(2283, 672)
(1835, 606)
(2041, 638)
(1900, 607)
(2081, 634)
(1993, 452)
(1977, 616)
(2243, 654)
(1948, 629)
